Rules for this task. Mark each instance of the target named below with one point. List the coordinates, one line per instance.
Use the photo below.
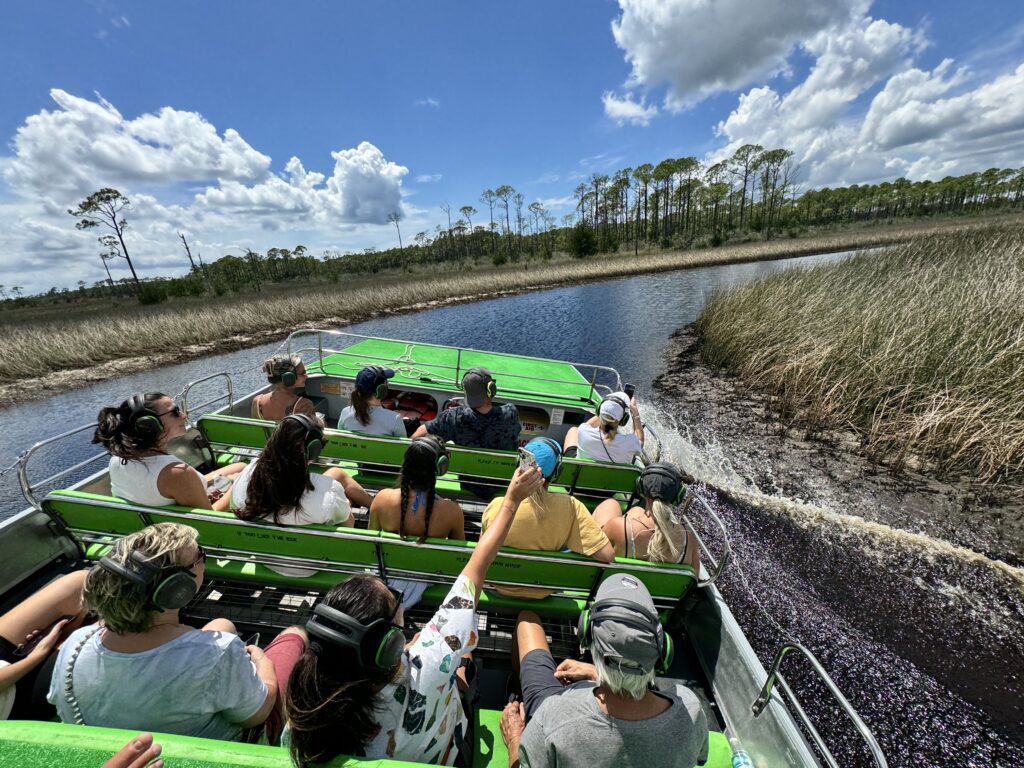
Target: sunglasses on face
(200, 556)
(175, 412)
(399, 596)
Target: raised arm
(523, 484)
(638, 426)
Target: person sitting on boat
(29, 634)
(279, 485)
(478, 423)
(142, 669)
(359, 689)
(599, 437)
(136, 434)
(288, 375)
(604, 714)
(653, 531)
(550, 522)
(366, 414)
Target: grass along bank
(919, 348)
(97, 345)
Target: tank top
(135, 480)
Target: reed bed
(32, 348)
(919, 348)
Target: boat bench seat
(31, 744)
(246, 550)
(375, 460)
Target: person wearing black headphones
(600, 438)
(288, 375)
(366, 414)
(606, 713)
(136, 435)
(141, 668)
(359, 689)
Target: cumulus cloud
(179, 172)
(697, 47)
(626, 110)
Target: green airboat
(66, 528)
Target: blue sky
(428, 103)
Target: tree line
(677, 203)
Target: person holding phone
(601, 438)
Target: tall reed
(919, 348)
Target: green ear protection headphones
(143, 421)
(381, 391)
(650, 483)
(600, 612)
(436, 447)
(620, 401)
(287, 375)
(313, 441)
(168, 587)
(378, 644)
(492, 385)
(558, 455)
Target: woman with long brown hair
(366, 414)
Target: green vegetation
(919, 348)
(38, 340)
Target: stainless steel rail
(717, 565)
(766, 690)
(230, 394)
(28, 488)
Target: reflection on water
(896, 643)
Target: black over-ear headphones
(168, 587)
(591, 616)
(648, 487)
(143, 421)
(381, 390)
(616, 399)
(558, 455)
(436, 447)
(288, 377)
(492, 385)
(378, 644)
(313, 441)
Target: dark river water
(920, 637)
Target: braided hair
(419, 473)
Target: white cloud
(699, 47)
(427, 102)
(179, 173)
(428, 178)
(625, 110)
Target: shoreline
(727, 419)
(541, 276)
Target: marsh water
(924, 638)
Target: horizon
(285, 128)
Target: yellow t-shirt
(564, 523)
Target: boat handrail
(774, 674)
(230, 394)
(459, 351)
(28, 488)
(717, 565)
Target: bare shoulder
(386, 498)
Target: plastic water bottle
(740, 758)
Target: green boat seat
(32, 744)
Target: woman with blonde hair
(142, 668)
(288, 375)
(651, 532)
(599, 437)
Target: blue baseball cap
(371, 377)
(544, 452)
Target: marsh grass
(31, 347)
(919, 348)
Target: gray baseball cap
(474, 384)
(625, 624)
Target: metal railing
(457, 369)
(765, 695)
(717, 565)
(28, 488)
(229, 395)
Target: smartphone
(630, 390)
(527, 460)
(26, 648)
(254, 640)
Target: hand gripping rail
(457, 369)
(774, 674)
(717, 565)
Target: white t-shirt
(326, 504)
(199, 684)
(382, 422)
(621, 449)
(135, 480)
(421, 715)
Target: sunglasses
(399, 597)
(200, 557)
(175, 412)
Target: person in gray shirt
(604, 714)
(366, 414)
